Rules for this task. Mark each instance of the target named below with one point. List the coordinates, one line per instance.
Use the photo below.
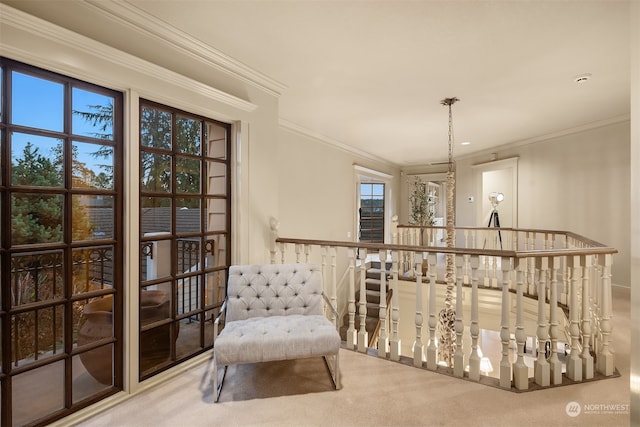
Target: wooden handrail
(460, 251)
(571, 234)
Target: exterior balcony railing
(531, 286)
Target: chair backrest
(274, 290)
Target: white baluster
(564, 295)
(541, 367)
(458, 355)
(494, 268)
(487, 268)
(418, 348)
(363, 335)
(298, 253)
(505, 335)
(474, 357)
(333, 295)
(282, 252)
(383, 339)
(520, 369)
(574, 363)
(605, 357)
(351, 331)
(587, 358)
(432, 349)
(554, 363)
(307, 252)
(394, 344)
(323, 257)
(531, 267)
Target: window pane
(93, 217)
(33, 397)
(189, 339)
(216, 215)
(95, 322)
(37, 334)
(36, 277)
(155, 258)
(155, 128)
(216, 141)
(215, 287)
(371, 212)
(215, 251)
(188, 218)
(189, 134)
(188, 256)
(37, 103)
(85, 385)
(92, 269)
(216, 179)
(155, 175)
(189, 294)
(92, 165)
(155, 214)
(155, 339)
(36, 161)
(187, 175)
(92, 114)
(36, 218)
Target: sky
(39, 104)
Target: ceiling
(371, 74)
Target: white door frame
(497, 165)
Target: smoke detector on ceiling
(582, 78)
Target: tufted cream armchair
(274, 312)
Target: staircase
(372, 284)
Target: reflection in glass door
(184, 233)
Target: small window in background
(371, 213)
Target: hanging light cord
(449, 102)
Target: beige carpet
(375, 393)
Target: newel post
(605, 357)
(274, 224)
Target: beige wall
(317, 192)
(577, 182)
(317, 187)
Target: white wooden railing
(557, 269)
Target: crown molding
(295, 128)
(11, 17)
(542, 138)
(138, 20)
